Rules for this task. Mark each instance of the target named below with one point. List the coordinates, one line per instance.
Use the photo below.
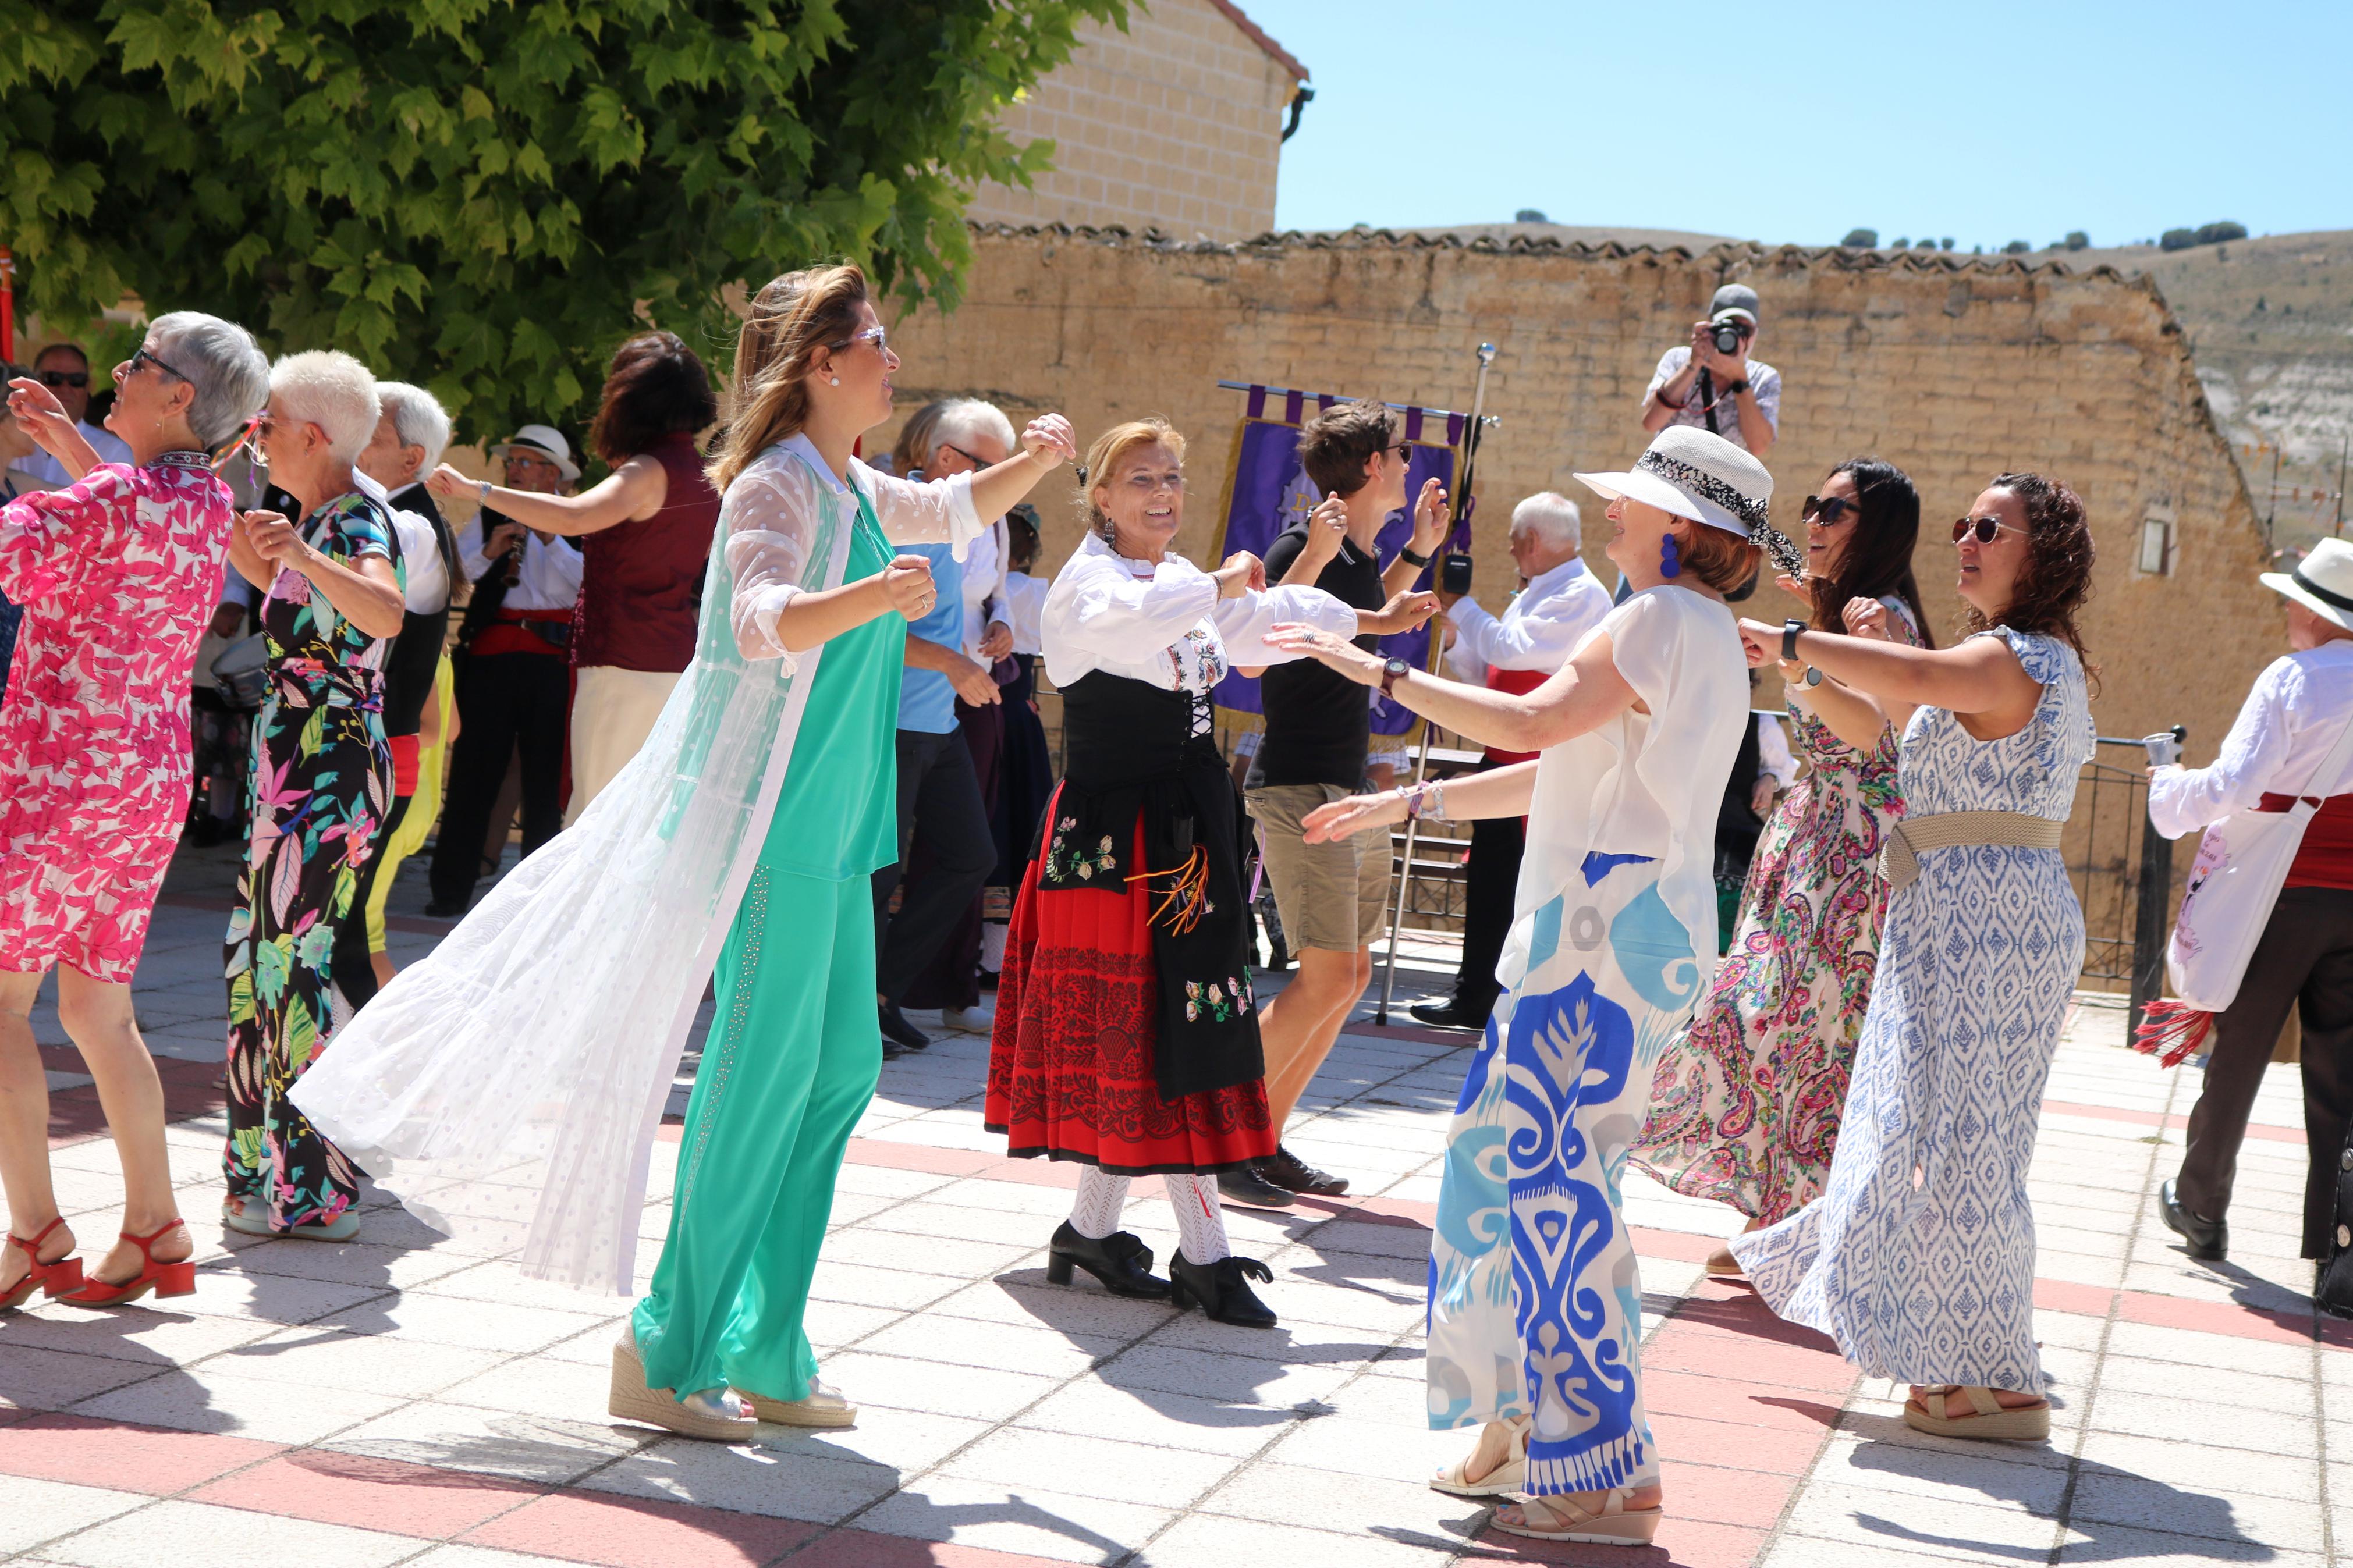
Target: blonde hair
(913, 449)
(791, 318)
(1111, 446)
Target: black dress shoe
(1244, 1186)
(445, 909)
(1294, 1175)
(2208, 1239)
(1222, 1289)
(896, 1029)
(1121, 1261)
(892, 1050)
(1446, 1013)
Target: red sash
(2325, 859)
(1517, 682)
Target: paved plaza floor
(407, 1399)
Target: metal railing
(2123, 872)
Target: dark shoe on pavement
(892, 1050)
(1243, 1185)
(1446, 1013)
(1119, 1260)
(1294, 1175)
(2208, 1239)
(895, 1028)
(1222, 1289)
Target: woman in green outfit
(756, 814)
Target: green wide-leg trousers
(787, 1069)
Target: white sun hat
(1697, 475)
(542, 441)
(2322, 582)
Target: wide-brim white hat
(543, 441)
(2322, 582)
(1694, 474)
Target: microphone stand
(1421, 757)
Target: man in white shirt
(64, 369)
(514, 684)
(1558, 603)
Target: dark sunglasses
(967, 456)
(1831, 510)
(1404, 450)
(140, 356)
(1984, 528)
(76, 378)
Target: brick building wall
(1174, 124)
(1953, 368)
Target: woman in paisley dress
(1918, 1258)
(1745, 1110)
(118, 574)
(1126, 1036)
(1535, 1296)
(322, 781)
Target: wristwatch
(482, 489)
(1392, 671)
(1735, 389)
(1411, 558)
(1813, 676)
(1790, 630)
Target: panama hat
(542, 441)
(1700, 476)
(2322, 583)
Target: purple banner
(1272, 492)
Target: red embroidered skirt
(1070, 1065)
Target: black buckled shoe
(2209, 1239)
(896, 1029)
(1289, 1171)
(1222, 1289)
(1120, 1261)
(1447, 1013)
(1245, 1186)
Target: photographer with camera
(1714, 383)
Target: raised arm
(1979, 680)
(952, 511)
(36, 408)
(1095, 607)
(630, 493)
(1244, 621)
(770, 520)
(1498, 792)
(43, 534)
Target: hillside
(2270, 322)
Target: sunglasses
(140, 356)
(969, 458)
(1983, 527)
(74, 378)
(1404, 450)
(1831, 509)
(879, 338)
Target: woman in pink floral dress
(117, 575)
(1745, 1107)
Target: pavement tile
(1228, 1379)
(52, 1380)
(975, 1392)
(878, 1246)
(2196, 1468)
(1168, 1420)
(1985, 1473)
(2104, 1497)
(637, 1532)
(2219, 1423)
(200, 1535)
(331, 1488)
(1084, 1311)
(140, 1333)
(473, 1325)
(1029, 1519)
(894, 1288)
(1212, 1540)
(551, 1449)
(747, 1478)
(1007, 1347)
(223, 1289)
(33, 1510)
(371, 1364)
(142, 1459)
(1776, 1450)
(536, 1385)
(903, 1440)
(213, 1400)
(1404, 1451)
(1096, 1466)
(1908, 1520)
(2152, 1549)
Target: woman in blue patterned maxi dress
(1919, 1259)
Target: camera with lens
(1729, 337)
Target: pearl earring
(833, 381)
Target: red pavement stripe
(152, 1459)
(332, 1488)
(2270, 1130)
(868, 1548)
(635, 1532)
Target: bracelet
(482, 489)
(1424, 802)
(1411, 558)
(1790, 630)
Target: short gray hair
(417, 417)
(221, 361)
(962, 418)
(329, 388)
(1551, 517)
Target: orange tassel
(2172, 1032)
(1187, 895)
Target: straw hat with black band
(2322, 583)
(1699, 476)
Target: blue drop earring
(1670, 562)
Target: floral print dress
(116, 576)
(322, 783)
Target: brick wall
(1175, 124)
(1953, 369)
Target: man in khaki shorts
(1332, 896)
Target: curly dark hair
(1878, 562)
(2057, 576)
(654, 387)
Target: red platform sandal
(56, 1276)
(162, 1279)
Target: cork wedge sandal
(1504, 1480)
(1933, 1413)
(702, 1415)
(1562, 1518)
(821, 1407)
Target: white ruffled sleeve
(932, 512)
(2183, 800)
(1096, 608)
(1244, 621)
(772, 521)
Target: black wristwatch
(1392, 671)
(1411, 558)
(1790, 630)
(1734, 389)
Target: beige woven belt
(1899, 861)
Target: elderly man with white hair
(332, 605)
(1558, 601)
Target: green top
(838, 814)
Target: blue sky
(1986, 122)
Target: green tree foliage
(486, 195)
(1859, 239)
(2077, 240)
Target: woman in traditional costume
(744, 831)
(1534, 1301)
(1126, 1035)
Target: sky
(1986, 122)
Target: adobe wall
(1954, 368)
